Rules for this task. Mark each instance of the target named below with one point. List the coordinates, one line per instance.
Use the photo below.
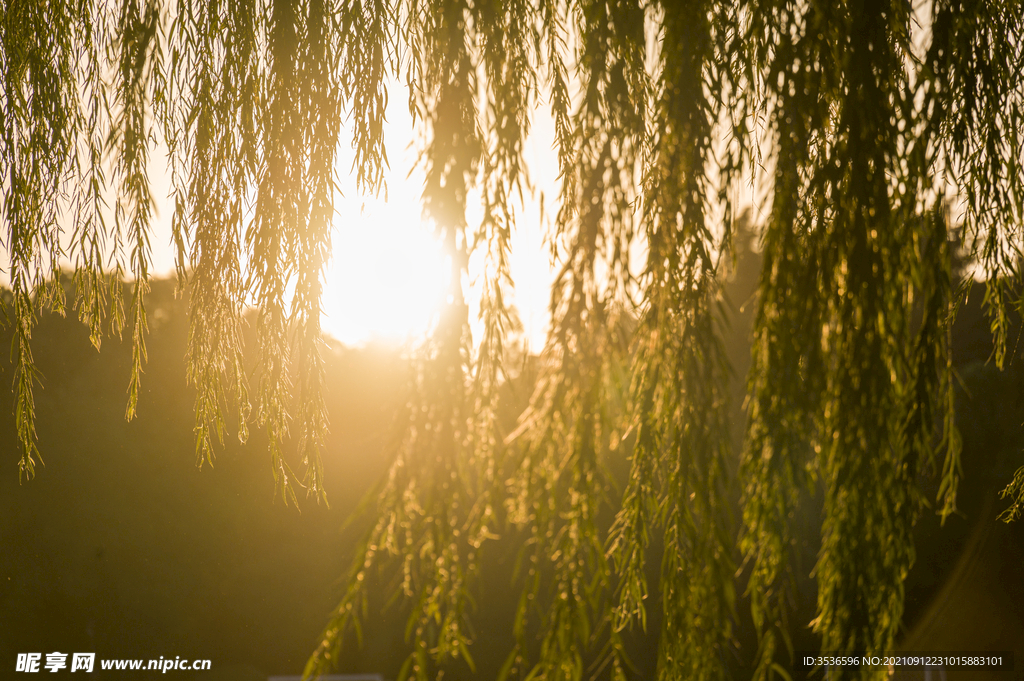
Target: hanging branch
(676, 484)
(787, 368)
(975, 100)
(137, 80)
(566, 433)
(429, 526)
(216, 80)
(41, 124)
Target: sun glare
(386, 279)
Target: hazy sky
(386, 277)
(387, 274)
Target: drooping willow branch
(677, 482)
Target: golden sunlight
(386, 279)
(387, 276)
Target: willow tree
(860, 121)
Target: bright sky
(386, 279)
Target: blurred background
(122, 546)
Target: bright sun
(387, 276)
